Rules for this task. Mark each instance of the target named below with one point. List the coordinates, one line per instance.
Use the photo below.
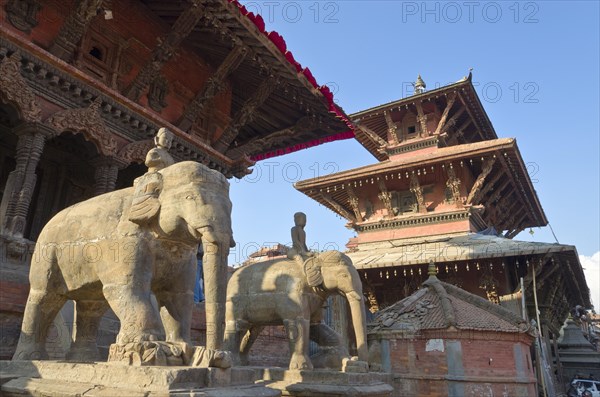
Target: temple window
(96, 53)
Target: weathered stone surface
(285, 292)
(94, 254)
(58, 379)
(325, 382)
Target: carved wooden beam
(214, 85)
(392, 137)
(260, 143)
(338, 207)
(74, 28)
(422, 119)
(442, 121)
(353, 201)
(372, 135)
(476, 190)
(166, 48)
(246, 114)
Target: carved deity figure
(299, 250)
(159, 157)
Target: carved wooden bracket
(86, 121)
(442, 121)
(392, 136)
(453, 183)
(353, 201)
(246, 114)
(74, 28)
(475, 193)
(22, 13)
(14, 89)
(268, 141)
(165, 50)
(417, 190)
(422, 119)
(338, 207)
(213, 86)
(372, 135)
(386, 198)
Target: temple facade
(447, 190)
(86, 84)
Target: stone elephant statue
(116, 249)
(281, 291)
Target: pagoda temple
(86, 84)
(446, 189)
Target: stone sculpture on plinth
(118, 250)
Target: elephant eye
(189, 197)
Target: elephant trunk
(357, 310)
(215, 281)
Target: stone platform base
(325, 382)
(65, 379)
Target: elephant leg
(247, 342)
(176, 315)
(325, 336)
(235, 330)
(41, 309)
(215, 284)
(297, 331)
(87, 320)
(139, 319)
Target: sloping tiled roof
(439, 305)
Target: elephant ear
(312, 271)
(145, 204)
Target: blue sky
(536, 69)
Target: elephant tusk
(354, 295)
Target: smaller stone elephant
(280, 292)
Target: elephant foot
(148, 353)
(300, 363)
(204, 357)
(354, 365)
(124, 337)
(33, 353)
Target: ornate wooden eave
(478, 156)
(226, 25)
(462, 98)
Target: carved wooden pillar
(107, 170)
(21, 181)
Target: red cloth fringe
(279, 42)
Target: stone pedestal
(63, 379)
(325, 382)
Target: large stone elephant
(282, 291)
(117, 249)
